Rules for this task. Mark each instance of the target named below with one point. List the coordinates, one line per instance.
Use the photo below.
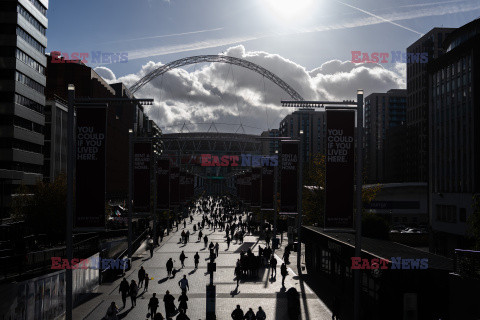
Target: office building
(383, 111)
(121, 116)
(269, 146)
(454, 82)
(416, 162)
(56, 139)
(23, 40)
(313, 125)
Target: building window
(326, 257)
(20, 77)
(22, 56)
(462, 215)
(31, 41)
(34, 22)
(39, 7)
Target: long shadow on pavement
(163, 280)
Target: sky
(307, 43)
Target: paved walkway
(264, 292)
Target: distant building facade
(313, 125)
(269, 146)
(454, 82)
(416, 161)
(120, 116)
(383, 111)
(22, 94)
(55, 149)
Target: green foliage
(313, 201)
(374, 226)
(43, 208)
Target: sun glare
(290, 9)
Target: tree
(43, 208)
(313, 202)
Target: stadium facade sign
(242, 160)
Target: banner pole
(70, 182)
(299, 201)
(130, 191)
(358, 224)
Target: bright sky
(308, 43)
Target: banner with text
(141, 176)
(267, 187)
(90, 178)
(163, 185)
(289, 177)
(256, 188)
(174, 180)
(340, 169)
(182, 186)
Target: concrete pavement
(264, 292)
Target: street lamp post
(299, 201)
(70, 182)
(130, 191)
(275, 205)
(358, 217)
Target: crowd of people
(222, 214)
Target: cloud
(106, 74)
(228, 94)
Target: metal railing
(467, 263)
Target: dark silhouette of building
(120, 116)
(313, 125)
(416, 168)
(22, 99)
(454, 175)
(383, 111)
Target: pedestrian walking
(141, 276)
(147, 279)
(124, 288)
(283, 272)
(112, 312)
(273, 266)
(196, 258)
(216, 248)
(335, 308)
(228, 242)
(184, 223)
(168, 300)
(261, 314)
(158, 316)
(161, 234)
(183, 302)
(286, 255)
(183, 284)
(237, 314)
(169, 266)
(182, 316)
(200, 234)
(133, 293)
(153, 305)
(250, 315)
(237, 272)
(182, 258)
(150, 247)
(205, 240)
